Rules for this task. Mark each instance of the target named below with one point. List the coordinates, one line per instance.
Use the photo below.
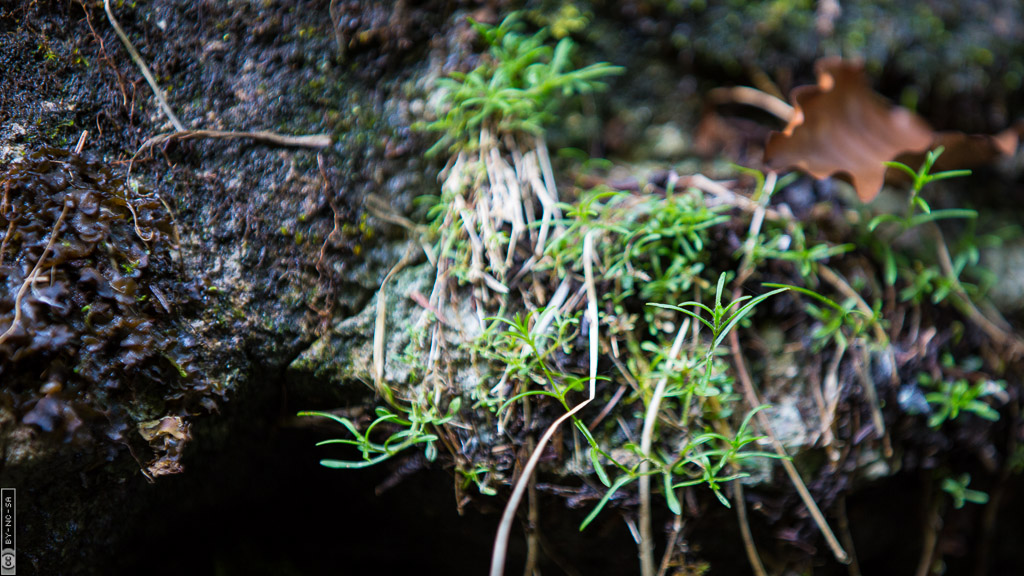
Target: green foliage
(698, 460)
(720, 321)
(703, 468)
(837, 323)
(403, 429)
(518, 87)
(961, 494)
(938, 278)
(918, 210)
(478, 475)
(654, 246)
(951, 398)
(925, 281)
(793, 247)
(527, 355)
(662, 241)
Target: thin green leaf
(351, 465)
(619, 483)
(670, 494)
(595, 459)
(901, 166)
(878, 220)
(948, 174)
(739, 314)
(722, 498)
(690, 313)
(941, 215)
(522, 395)
(890, 267)
(807, 292)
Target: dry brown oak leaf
(841, 127)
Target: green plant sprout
(478, 475)
(793, 248)
(412, 431)
(951, 398)
(532, 359)
(665, 240)
(838, 323)
(720, 322)
(701, 466)
(654, 246)
(928, 280)
(961, 494)
(512, 88)
(918, 212)
(921, 178)
(731, 454)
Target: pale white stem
(646, 438)
(160, 98)
(505, 527)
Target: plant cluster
(669, 404)
(518, 87)
(949, 397)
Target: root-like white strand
(505, 527)
(646, 439)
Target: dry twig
(31, 278)
(157, 91)
(762, 419)
(380, 325)
(505, 527)
(751, 396)
(646, 439)
(748, 539)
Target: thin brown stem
(995, 329)
(157, 91)
(532, 521)
(500, 551)
(751, 396)
(762, 419)
(380, 326)
(748, 538)
(847, 536)
(35, 271)
(933, 523)
(666, 558)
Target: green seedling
(709, 470)
(698, 460)
(518, 87)
(961, 494)
(952, 398)
(720, 320)
(918, 210)
(407, 431)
